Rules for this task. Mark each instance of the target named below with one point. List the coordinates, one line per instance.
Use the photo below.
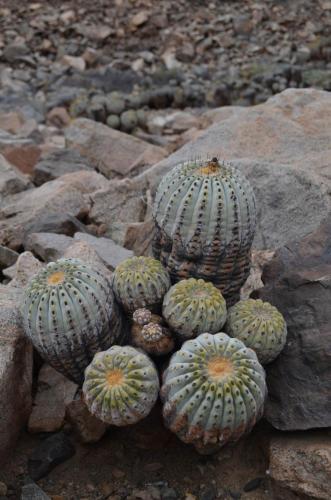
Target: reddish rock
(59, 117)
(23, 157)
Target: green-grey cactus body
(194, 306)
(205, 219)
(121, 385)
(213, 391)
(140, 282)
(70, 313)
(260, 326)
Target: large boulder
(66, 195)
(113, 153)
(298, 281)
(283, 146)
(15, 359)
(302, 463)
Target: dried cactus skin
(140, 282)
(205, 218)
(194, 306)
(121, 385)
(260, 326)
(213, 391)
(69, 314)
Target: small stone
(3, 489)
(139, 19)
(11, 179)
(77, 63)
(32, 491)
(7, 257)
(153, 467)
(59, 117)
(129, 120)
(23, 269)
(48, 454)
(91, 56)
(169, 59)
(254, 484)
(138, 64)
(118, 473)
(68, 16)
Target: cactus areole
(69, 314)
(205, 218)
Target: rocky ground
(98, 101)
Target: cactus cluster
(213, 391)
(140, 282)
(149, 333)
(260, 326)
(194, 306)
(69, 313)
(121, 385)
(205, 219)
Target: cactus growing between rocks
(69, 313)
(260, 326)
(149, 333)
(205, 219)
(213, 391)
(140, 282)
(121, 385)
(193, 306)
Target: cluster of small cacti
(214, 387)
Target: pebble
(48, 454)
(3, 489)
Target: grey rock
(57, 163)
(48, 246)
(23, 269)
(109, 252)
(48, 454)
(11, 179)
(15, 371)
(61, 223)
(298, 282)
(112, 152)
(7, 257)
(31, 491)
(67, 195)
(14, 52)
(54, 393)
(302, 463)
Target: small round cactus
(260, 326)
(69, 313)
(153, 338)
(213, 391)
(140, 282)
(194, 306)
(121, 385)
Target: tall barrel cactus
(205, 219)
(140, 282)
(121, 385)
(260, 326)
(213, 391)
(69, 313)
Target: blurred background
(126, 63)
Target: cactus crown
(152, 332)
(142, 316)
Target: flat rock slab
(284, 148)
(109, 252)
(66, 195)
(112, 152)
(302, 463)
(48, 246)
(298, 282)
(57, 163)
